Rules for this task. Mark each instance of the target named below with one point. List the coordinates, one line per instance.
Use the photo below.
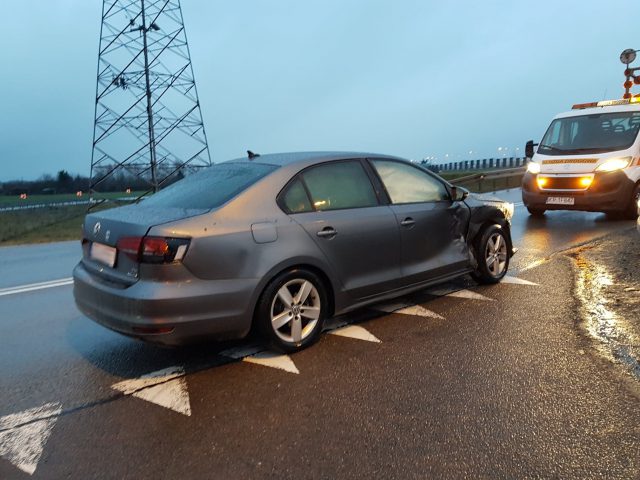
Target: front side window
(589, 134)
(339, 185)
(408, 184)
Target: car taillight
(130, 246)
(153, 249)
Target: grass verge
(49, 224)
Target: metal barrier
(483, 164)
(491, 181)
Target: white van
(589, 159)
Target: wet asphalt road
(497, 385)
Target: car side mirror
(528, 149)
(458, 194)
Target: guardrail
(491, 181)
(483, 164)
(70, 203)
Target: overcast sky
(411, 78)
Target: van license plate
(103, 254)
(560, 200)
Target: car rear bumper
(169, 313)
(609, 192)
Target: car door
(432, 227)
(338, 207)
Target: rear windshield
(212, 186)
(595, 133)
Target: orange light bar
(586, 181)
(542, 181)
(628, 98)
(580, 106)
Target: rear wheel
(291, 310)
(536, 212)
(492, 254)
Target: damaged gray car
(282, 242)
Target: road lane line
(35, 286)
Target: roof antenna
(252, 155)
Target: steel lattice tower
(148, 124)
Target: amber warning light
(632, 77)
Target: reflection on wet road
(613, 332)
(539, 238)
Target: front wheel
(633, 208)
(492, 253)
(291, 310)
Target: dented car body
(194, 260)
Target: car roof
(291, 158)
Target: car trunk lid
(106, 234)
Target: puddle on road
(615, 339)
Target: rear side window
(295, 198)
(339, 185)
(408, 184)
(212, 186)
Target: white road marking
(357, 332)
(461, 294)
(440, 291)
(392, 307)
(22, 445)
(333, 323)
(166, 387)
(516, 280)
(419, 311)
(35, 286)
(534, 264)
(406, 309)
(273, 360)
(243, 351)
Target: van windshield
(595, 133)
(210, 187)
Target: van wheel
(291, 310)
(632, 210)
(536, 212)
(492, 254)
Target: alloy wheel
(496, 254)
(295, 310)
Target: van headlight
(533, 167)
(614, 164)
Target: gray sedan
(281, 242)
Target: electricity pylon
(148, 128)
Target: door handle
(408, 222)
(327, 232)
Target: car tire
(291, 310)
(536, 212)
(492, 253)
